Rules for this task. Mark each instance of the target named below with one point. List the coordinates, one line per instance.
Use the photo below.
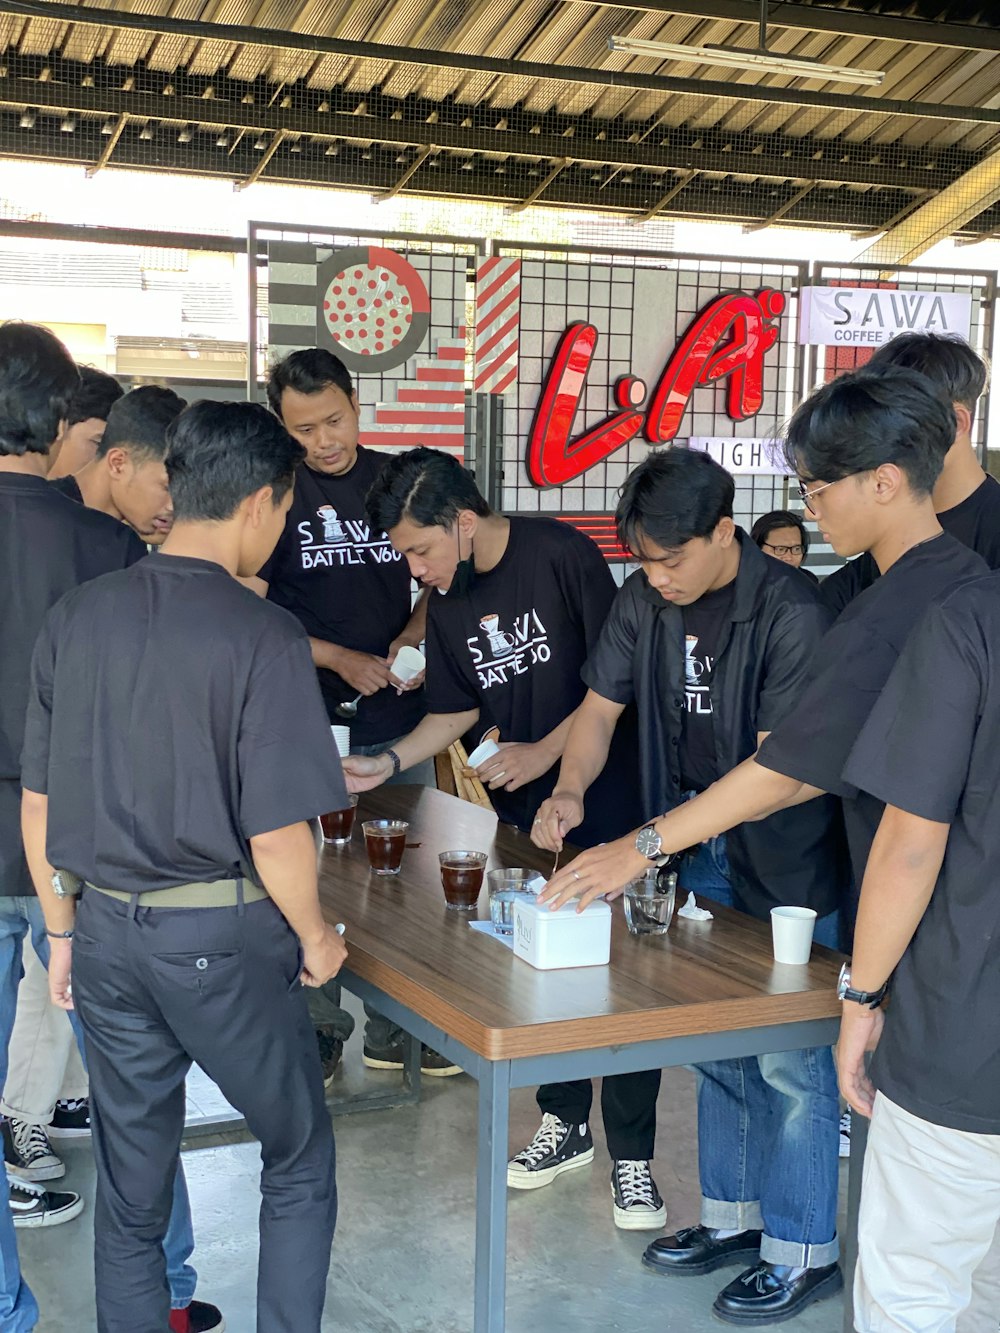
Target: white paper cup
(342, 740)
(482, 752)
(407, 663)
(792, 933)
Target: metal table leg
(491, 1197)
(859, 1141)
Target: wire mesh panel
(395, 309)
(652, 319)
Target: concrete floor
(403, 1257)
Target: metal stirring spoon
(350, 708)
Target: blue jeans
(20, 917)
(768, 1125)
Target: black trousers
(158, 989)
(628, 1104)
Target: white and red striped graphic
(430, 408)
(498, 322)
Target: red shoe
(198, 1317)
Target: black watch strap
(394, 758)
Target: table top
(701, 977)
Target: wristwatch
(649, 842)
(845, 991)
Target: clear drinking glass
(385, 841)
(338, 825)
(462, 878)
(505, 888)
(649, 902)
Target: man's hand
(603, 870)
(403, 686)
(60, 967)
(860, 1029)
(562, 812)
(364, 672)
(322, 958)
(363, 772)
(517, 764)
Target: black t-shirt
(346, 585)
(932, 747)
(47, 547)
(795, 857)
(163, 749)
(975, 522)
(68, 486)
(514, 647)
(704, 623)
(850, 669)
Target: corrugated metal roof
(211, 101)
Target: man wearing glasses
(868, 449)
(966, 499)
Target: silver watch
(649, 842)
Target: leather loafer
(772, 1293)
(696, 1250)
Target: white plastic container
(566, 938)
(407, 663)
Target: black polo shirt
(931, 746)
(851, 668)
(775, 621)
(346, 585)
(514, 646)
(68, 486)
(975, 522)
(47, 547)
(163, 745)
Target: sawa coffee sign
(868, 316)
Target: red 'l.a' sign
(727, 339)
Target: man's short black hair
(673, 496)
(426, 486)
(311, 370)
(869, 417)
(95, 395)
(138, 422)
(220, 453)
(947, 360)
(37, 379)
(779, 518)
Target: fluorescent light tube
(762, 61)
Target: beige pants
(44, 1061)
(929, 1230)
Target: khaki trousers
(929, 1229)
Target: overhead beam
(965, 199)
(261, 166)
(822, 18)
(408, 174)
(783, 211)
(540, 189)
(272, 119)
(315, 45)
(109, 147)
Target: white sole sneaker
(645, 1219)
(519, 1179)
(35, 1174)
(41, 1216)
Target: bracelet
(394, 759)
(59, 934)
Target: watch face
(843, 981)
(648, 842)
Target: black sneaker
(34, 1207)
(331, 1051)
(28, 1152)
(638, 1206)
(556, 1147)
(71, 1119)
(394, 1057)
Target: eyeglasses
(807, 495)
(785, 550)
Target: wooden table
(705, 991)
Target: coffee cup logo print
(499, 640)
(333, 529)
(693, 667)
